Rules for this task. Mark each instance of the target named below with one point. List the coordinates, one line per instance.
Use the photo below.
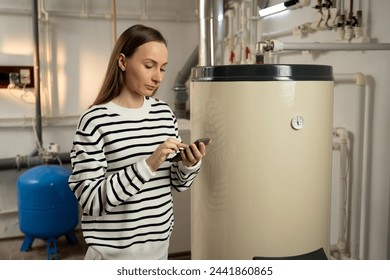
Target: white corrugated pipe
(340, 249)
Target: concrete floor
(10, 249)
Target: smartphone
(177, 157)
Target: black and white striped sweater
(127, 209)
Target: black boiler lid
(262, 72)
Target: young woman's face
(145, 69)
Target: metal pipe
(37, 81)
(206, 39)
(210, 32)
(26, 161)
(180, 88)
(218, 11)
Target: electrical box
(22, 76)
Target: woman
(121, 175)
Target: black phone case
(177, 157)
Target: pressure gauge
(297, 122)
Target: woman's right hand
(162, 152)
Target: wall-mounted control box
(22, 76)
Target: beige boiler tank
(264, 187)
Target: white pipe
(388, 223)
(229, 39)
(47, 121)
(253, 29)
(291, 46)
(297, 31)
(237, 16)
(364, 177)
(244, 30)
(277, 34)
(230, 14)
(357, 174)
(358, 219)
(43, 10)
(342, 10)
(237, 32)
(48, 100)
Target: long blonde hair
(127, 43)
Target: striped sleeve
(182, 176)
(97, 192)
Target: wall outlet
(19, 75)
(25, 76)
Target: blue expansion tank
(47, 206)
